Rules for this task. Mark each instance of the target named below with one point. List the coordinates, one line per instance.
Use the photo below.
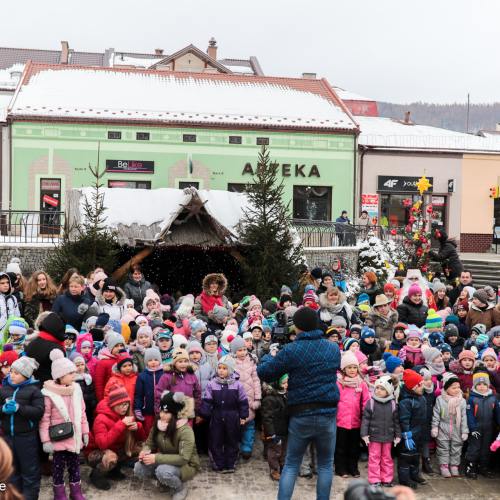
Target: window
(236, 188)
(114, 135)
(312, 202)
(188, 138)
(196, 70)
(184, 185)
(234, 139)
(142, 136)
(262, 140)
(392, 211)
(130, 184)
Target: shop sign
(397, 184)
(438, 201)
(117, 184)
(287, 170)
(369, 202)
(50, 201)
(452, 183)
(143, 167)
(51, 185)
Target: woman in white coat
(111, 299)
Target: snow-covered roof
(388, 133)
(345, 95)
(8, 79)
(120, 59)
(55, 91)
(240, 70)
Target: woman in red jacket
(115, 438)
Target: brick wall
(475, 243)
(32, 258)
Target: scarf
(328, 313)
(367, 348)
(166, 355)
(48, 336)
(453, 406)
(212, 358)
(76, 298)
(383, 400)
(84, 376)
(7, 380)
(225, 381)
(435, 368)
(209, 301)
(429, 390)
(162, 426)
(352, 382)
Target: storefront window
(312, 202)
(393, 209)
(184, 185)
(130, 184)
(234, 187)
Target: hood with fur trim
(155, 314)
(188, 410)
(119, 296)
(217, 277)
(324, 303)
(383, 321)
(39, 320)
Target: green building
(174, 129)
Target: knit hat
(114, 339)
(431, 354)
(285, 289)
(145, 330)
(317, 272)
(391, 361)
(285, 298)
(306, 319)
(116, 325)
(339, 321)
(389, 287)
(450, 331)
(482, 296)
(17, 327)
(386, 383)
(494, 332)
(463, 304)
(354, 328)
(166, 300)
(70, 332)
(208, 336)
(122, 358)
(129, 302)
(90, 323)
(482, 339)
(102, 320)
(364, 297)
(237, 343)
(220, 312)
(479, 328)
(412, 380)
(179, 354)
(117, 394)
(401, 327)
(348, 343)
(396, 284)
(60, 364)
(413, 333)
(348, 359)
(14, 267)
(196, 325)
(308, 297)
(480, 376)
(109, 284)
(438, 286)
(433, 320)
(422, 370)
(489, 352)
(449, 378)
(247, 335)
(26, 366)
(76, 357)
(172, 402)
(254, 301)
(415, 288)
(367, 332)
(229, 362)
(452, 320)
(253, 326)
(194, 346)
(152, 353)
(466, 354)
(141, 317)
(442, 348)
(164, 333)
(360, 356)
(8, 356)
(271, 306)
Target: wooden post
(134, 260)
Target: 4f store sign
(396, 183)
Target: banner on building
(50, 201)
(369, 202)
(397, 183)
(124, 166)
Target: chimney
(309, 76)
(159, 52)
(64, 53)
(407, 117)
(212, 48)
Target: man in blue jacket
(311, 362)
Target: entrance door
(50, 202)
(438, 219)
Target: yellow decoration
(423, 185)
(430, 276)
(417, 205)
(401, 267)
(416, 236)
(387, 265)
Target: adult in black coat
(51, 336)
(465, 280)
(412, 310)
(448, 256)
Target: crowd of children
(186, 369)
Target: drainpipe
(355, 185)
(1, 162)
(364, 149)
(10, 165)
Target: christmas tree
(275, 253)
(89, 244)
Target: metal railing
(28, 226)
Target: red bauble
(412, 220)
(438, 235)
(424, 269)
(407, 202)
(408, 229)
(394, 232)
(413, 209)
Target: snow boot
(471, 470)
(484, 469)
(426, 465)
(418, 479)
(99, 480)
(60, 492)
(454, 471)
(411, 484)
(75, 491)
(117, 474)
(445, 472)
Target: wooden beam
(134, 260)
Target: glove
(48, 447)
(276, 439)
(139, 415)
(397, 441)
(7, 409)
(14, 405)
(476, 434)
(474, 350)
(85, 439)
(495, 445)
(434, 432)
(409, 443)
(274, 347)
(464, 437)
(366, 439)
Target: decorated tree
(275, 254)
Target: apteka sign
(286, 170)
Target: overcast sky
(390, 50)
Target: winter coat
(103, 372)
(247, 370)
(495, 380)
(136, 290)
(72, 398)
(456, 347)
(455, 292)
(397, 300)
(376, 355)
(35, 307)
(412, 415)
(182, 453)
(90, 361)
(411, 313)
(383, 325)
(465, 377)
(489, 317)
(198, 306)
(39, 349)
(183, 330)
(73, 308)
(128, 381)
(88, 391)
(411, 356)
(117, 308)
(204, 373)
(109, 431)
(240, 314)
(186, 382)
(483, 414)
(449, 259)
(225, 402)
(365, 221)
(145, 386)
(312, 363)
(261, 348)
(447, 424)
(430, 401)
(351, 405)
(138, 358)
(272, 400)
(24, 421)
(8, 305)
(326, 314)
(372, 292)
(341, 220)
(394, 347)
(381, 421)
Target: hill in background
(448, 116)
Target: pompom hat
(449, 378)
(61, 365)
(348, 359)
(172, 402)
(254, 301)
(412, 380)
(118, 394)
(17, 327)
(433, 320)
(8, 356)
(348, 343)
(145, 330)
(386, 383)
(489, 352)
(391, 361)
(414, 289)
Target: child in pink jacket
(354, 394)
(84, 346)
(64, 403)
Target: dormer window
(16, 74)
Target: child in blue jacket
(338, 275)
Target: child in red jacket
(108, 358)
